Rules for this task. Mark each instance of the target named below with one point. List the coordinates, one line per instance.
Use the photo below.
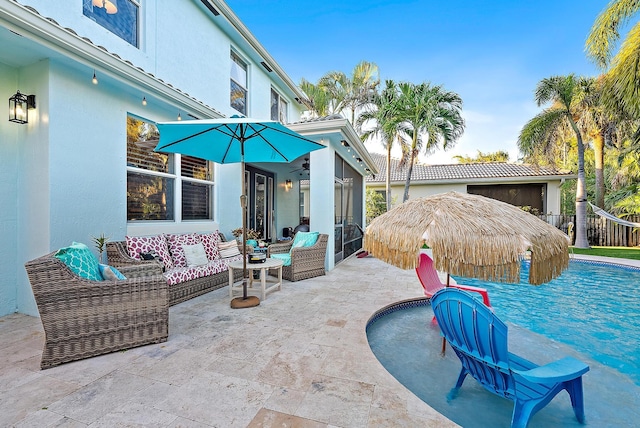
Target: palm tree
(622, 79)
(431, 116)
(386, 128)
(566, 93)
(499, 156)
(351, 93)
(317, 100)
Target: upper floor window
(278, 107)
(238, 84)
(120, 17)
(164, 186)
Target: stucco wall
(418, 190)
(9, 152)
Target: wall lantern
(19, 106)
(288, 185)
(111, 6)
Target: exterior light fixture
(359, 160)
(288, 185)
(179, 117)
(144, 101)
(19, 106)
(111, 6)
(95, 79)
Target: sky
(492, 53)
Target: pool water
(593, 307)
(591, 313)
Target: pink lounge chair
(430, 281)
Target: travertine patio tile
(32, 396)
(301, 358)
(285, 400)
(271, 419)
(91, 402)
(176, 369)
(291, 370)
(339, 402)
(218, 400)
(134, 414)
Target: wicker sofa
(306, 262)
(118, 256)
(83, 318)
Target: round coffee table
(269, 263)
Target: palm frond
(605, 32)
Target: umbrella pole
(244, 301)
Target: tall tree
(432, 117)
(318, 99)
(623, 69)
(385, 127)
(350, 93)
(566, 93)
(499, 156)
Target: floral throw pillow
(146, 244)
(211, 243)
(176, 242)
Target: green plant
(100, 242)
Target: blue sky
(492, 53)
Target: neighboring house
(103, 73)
(518, 184)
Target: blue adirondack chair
(479, 339)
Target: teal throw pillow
(109, 273)
(79, 258)
(305, 239)
(285, 257)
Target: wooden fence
(600, 231)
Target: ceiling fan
(305, 167)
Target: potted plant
(252, 236)
(100, 243)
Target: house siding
(63, 174)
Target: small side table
(263, 268)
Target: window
(121, 18)
(279, 108)
(238, 84)
(156, 181)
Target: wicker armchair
(306, 262)
(83, 318)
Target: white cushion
(195, 254)
(228, 249)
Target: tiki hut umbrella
(471, 236)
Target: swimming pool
(593, 307)
(592, 312)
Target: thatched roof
(471, 236)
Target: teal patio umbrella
(235, 140)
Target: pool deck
(300, 359)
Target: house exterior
(522, 185)
(102, 73)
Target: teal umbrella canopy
(233, 140)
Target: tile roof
(423, 172)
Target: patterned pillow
(211, 242)
(144, 244)
(175, 247)
(229, 249)
(305, 239)
(79, 258)
(109, 273)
